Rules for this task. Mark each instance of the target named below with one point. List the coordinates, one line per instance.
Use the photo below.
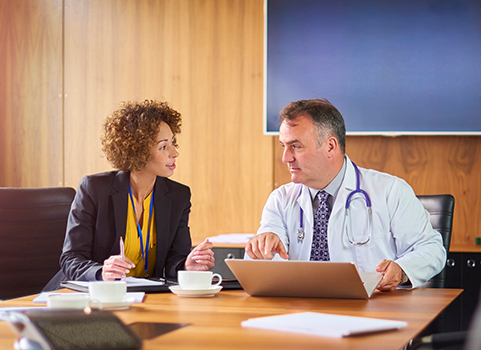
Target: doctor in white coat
(395, 239)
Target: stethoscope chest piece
(300, 234)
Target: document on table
(232, 238)
(4, 311)
(42, 298)
(324, 324)
(133, 285)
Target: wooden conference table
(215, 322)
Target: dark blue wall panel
(389, 66)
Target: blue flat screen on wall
(400, 67)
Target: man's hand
(392, 275)
(265, 246)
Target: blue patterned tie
(320, 250)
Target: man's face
(307, 162)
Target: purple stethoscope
(347, 218)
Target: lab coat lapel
(305, 202)
(336, 222)
(348, 185)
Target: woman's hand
(201, 258)
(116, 268)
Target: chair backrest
(32, 230)
(441, 209)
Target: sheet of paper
(370, 280)
(132, 281)
(323, 324)
(232, 238)
(133, 285)
(42, 298)
(4, 310)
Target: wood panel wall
(204, 57)
(66, 64)
(31, 152)
(430, 164)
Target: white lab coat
(401, 232)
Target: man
(396, 240)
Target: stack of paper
(323, 324)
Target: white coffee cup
(73, 301)
(108, 291)
(197, 280)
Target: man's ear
(332, 146)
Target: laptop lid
(315, 279)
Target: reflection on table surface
(215, 322)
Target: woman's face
(163, 153)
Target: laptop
(312, 279)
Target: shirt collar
(333, 187)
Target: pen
(122, 251)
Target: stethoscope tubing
(300, 231)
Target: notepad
(133, 285)
(324, 324)
(42, 298)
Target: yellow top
(132, 239)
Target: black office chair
(441, 209)
(473, 338)
(32, 231)
(467, 340)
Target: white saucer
(122, 305)
(195, 293)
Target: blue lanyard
(145, 252)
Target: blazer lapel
(163, 208)
(120, 197)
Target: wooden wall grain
(205, 58)
(31, 122)
(430, 164)
(66, 64)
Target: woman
(137, 203)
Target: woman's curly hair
(130, 131)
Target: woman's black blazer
(98, 219)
